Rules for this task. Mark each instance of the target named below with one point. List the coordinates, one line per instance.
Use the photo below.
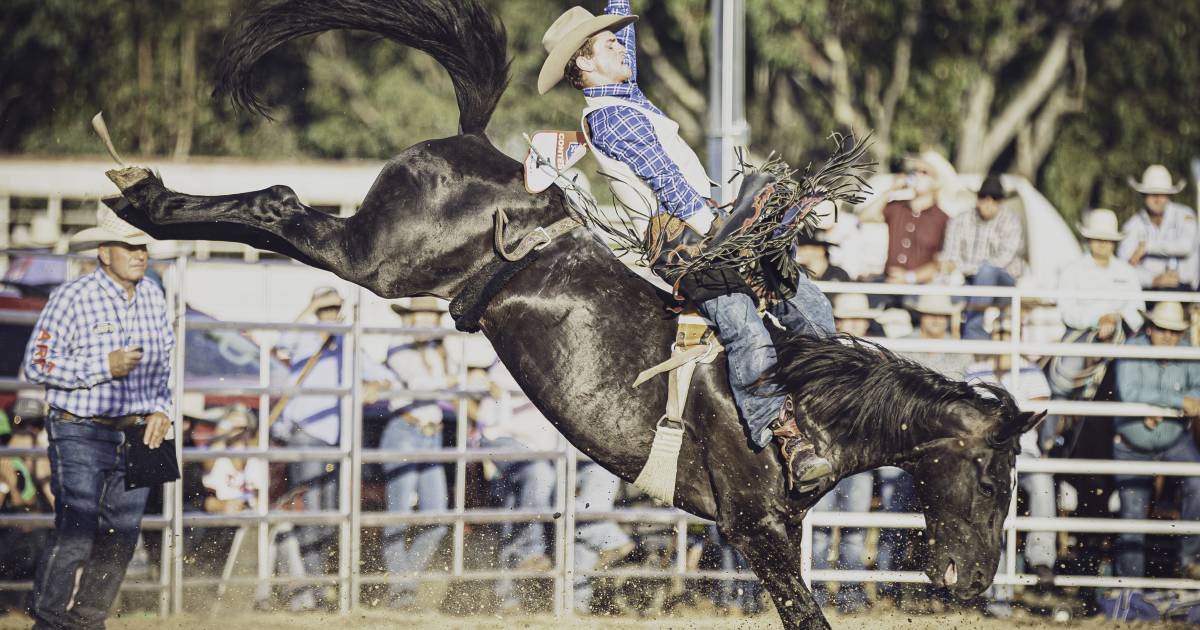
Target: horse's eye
(987, 488)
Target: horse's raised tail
(467, 39)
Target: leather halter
(468, 306)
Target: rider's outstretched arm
(627, 36)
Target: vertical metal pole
(350, 375)
(727, 126)
(262, 502)
(5, 221)
(806, 549)
(356, 454)
(176, 495)
(570, 527)
(460, 470)
(1014, 340)
(562, 537)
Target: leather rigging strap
(467, 307)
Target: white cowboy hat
(109, 229)
(567, 34)
(1100, 225)
(935, 305)
(853, 306)
(1168, 316)
(1156, 180)
(896, 323)
(420, 304)
(42, 233)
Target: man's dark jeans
(96, 525)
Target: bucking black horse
(574, 326)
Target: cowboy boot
(806, 471)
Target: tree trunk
(187, 87)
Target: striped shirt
(627, 135)
(83, 322)
(999, 242)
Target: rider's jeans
(751, 352)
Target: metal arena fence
(351, 456)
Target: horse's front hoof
(130, 176)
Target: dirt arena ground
(374, 620)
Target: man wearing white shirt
(1160, 240)
(420, 364)
(1093, 320)
(314, 421)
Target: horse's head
(964, 484)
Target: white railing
(349, 518)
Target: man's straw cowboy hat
(1168, 316)
(853, 306)
(935, 305)
(109, 229)
(1100, 225)
(1156, 180)
(568, 33)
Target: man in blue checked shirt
(654, 173)
(102, 348)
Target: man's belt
(428, 429)
(119, 423)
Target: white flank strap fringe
(657, 478)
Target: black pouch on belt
(147, 467)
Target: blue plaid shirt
(627, 135)
(86, 319)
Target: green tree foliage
(964, 76)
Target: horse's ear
(1030, 421)
(1025, 421)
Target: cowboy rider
(639, 149)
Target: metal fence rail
(351, 456)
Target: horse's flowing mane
(463, 36)
(853, 388)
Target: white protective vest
(631, 190)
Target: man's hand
(895, 275)
(1138, 253)
(1152, 422)
(373, 389)
(157, 425)
(1191, 407)
(1107, 326)
(1166, 280)
(122, 362)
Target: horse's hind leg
(272, 219)
(774, 557)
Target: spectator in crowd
(1095, 320)
(508, 420)
(599, 545)
(1160, 240)
(916, 225)
(851, 315)
(102, 348)
(934, 316)
(314, 360)
(987, 247)
(1030, 385)
(420, 364)
(812, 252)
(1169, 384)
(850, 245)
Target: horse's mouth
(950, 577)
